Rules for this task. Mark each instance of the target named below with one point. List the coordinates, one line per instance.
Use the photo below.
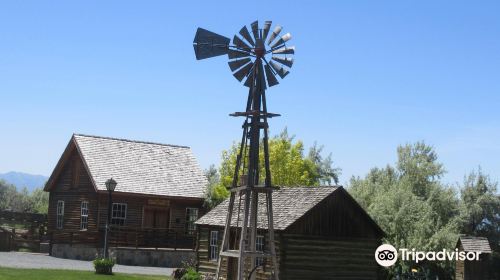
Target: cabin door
(155, 217)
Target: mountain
(20, 180)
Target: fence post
(156, 238)
(175, 241)
(13, 236)
(136, 238)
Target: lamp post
(110, 186)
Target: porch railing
(120, 236)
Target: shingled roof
(475, 244)
(140, 167)
(289, 204)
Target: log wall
(317, 257)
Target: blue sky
(368, 76)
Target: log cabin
(158, 197)
(473, 269)
(320, 233)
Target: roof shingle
(475, 244)
(142, 167)
(289, 204)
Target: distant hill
(20, 180)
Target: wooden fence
(21, 230)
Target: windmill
(258, 58)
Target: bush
(191, 274)
(178, 273)
(103, 266)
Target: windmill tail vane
(258, 58)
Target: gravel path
(35, 260)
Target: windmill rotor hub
(260, 48)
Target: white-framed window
(60, 214)
(84, 215)
(214, 245)
(259, 247)
(191, 217)
(119, 214)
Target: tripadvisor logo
(386, 255)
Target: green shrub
(191, 274)
(103, 266)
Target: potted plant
(103, 266)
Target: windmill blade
(285, 50)
(240, 74)
(244, 32)
(270, 76)
(237, 54)
(288, 61)
(240, 44)
(236, 64)
(267, 26)
(282, 40)
(275, 34)
(282, 72)
(255, 29)
(208, 44)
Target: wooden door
(155, 217)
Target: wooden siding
(473, 270)
(72, 192)
(334, 240)
(73, 185)
(320, 257)
(205, 265)
(337, 215)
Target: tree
(289, 167)
(411, 205)
(214, 192)
(23, 201)
(39, 201)
(480, 207)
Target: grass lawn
(58, 274)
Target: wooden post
(14, 243)
(175, 241)
(136, 238)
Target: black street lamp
(110, 186)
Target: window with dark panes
(60, 214)
(191, 217)
(214, 245)
(84, 215)
(119, 214)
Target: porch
(131, 237)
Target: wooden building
(473, 269)
(158, 197)
(321, 233)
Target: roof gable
(289, 204)
(138, 167)
(474, 244)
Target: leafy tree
(480, 207)
(39, 201)
(410, 204)
(23, 201)
(214, 193)
(289, 167)
(480, 213)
